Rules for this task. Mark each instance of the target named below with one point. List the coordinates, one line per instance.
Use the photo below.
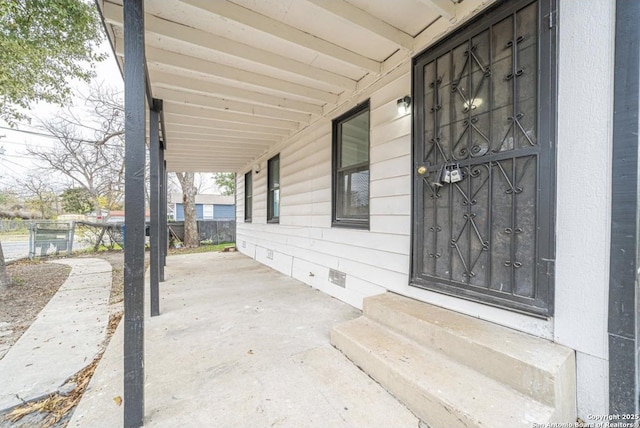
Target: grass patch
(17, 280)
(101, 249)
(203, 248)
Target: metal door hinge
(552, 19)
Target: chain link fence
(211, 231)
(50, 237)
(16, 225)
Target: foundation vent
(338, 278)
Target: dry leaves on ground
(58, 405)
(35, 283)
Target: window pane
(276, 203)
(354, 137)
(273, 186)
(207, 212)
(247, 184)
(248, 193)
(354, 189)
(274, 172)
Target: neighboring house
(208, 207)
(98, 217)
(71, 217)
(477, 157)
(118, 216)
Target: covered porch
(239, 344)
(224, 85)
(283, 92)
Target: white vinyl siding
(304, 245)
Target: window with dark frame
(273, 190)
(350, 168)
(248, 197)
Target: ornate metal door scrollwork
(479, 198)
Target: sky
(16, 164)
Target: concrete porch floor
(238, 344)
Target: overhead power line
(75, 140)
(41, 134)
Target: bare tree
(40, 195)
(189, 191)
(89, 151)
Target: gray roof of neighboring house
(206, 199)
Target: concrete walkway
(240, 345)
(64, 338)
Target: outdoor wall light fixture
(404, 105)
(256, 168)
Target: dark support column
(134, 101)
(164, 193)
(165, 227)
(163, 214)
(154, 196)
(624, 298)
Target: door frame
(542, 305)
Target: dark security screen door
(485, 108)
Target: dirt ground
(34, 285)
(35, 282)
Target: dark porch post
(134, 101)
(624, 298)
(164, 243)
(163, 214)
(155, 200)
(165, 225)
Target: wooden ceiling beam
(229, 105)
(286, 32)
(446, 8)
(240, 140)
(367, 21)
(196, 37)
(198, 65)
(177, 81)
(193, 124)
(193, 111)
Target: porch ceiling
(238, 77)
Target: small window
(248, 197)
(207, 212)
(351, 168)
(273, 187)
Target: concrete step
(440, 391)
(534, 367)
